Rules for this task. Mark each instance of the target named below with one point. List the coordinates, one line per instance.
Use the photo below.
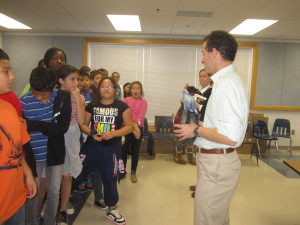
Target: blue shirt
(87, 96)
(34, 109)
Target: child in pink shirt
(138, 106)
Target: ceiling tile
(188, 25)
(150, 24)
(199, 5)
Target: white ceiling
(158, 17)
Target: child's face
(127, 88)
(70, 82)
(86, 82)
(42, 96)
(57, 61)
(80, 80)
(107, 90)
(116, 77)
(104, 74)
(136, 91)
(97, 79)
(6, 76)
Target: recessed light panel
(252, 26)
(125, 22)
(10, 23)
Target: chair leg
(253, 145)
(276, 145)
(268, 148)
(258, 148)
(256, 153)
(290, 153)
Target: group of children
(75, 120)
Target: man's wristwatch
(196, 131)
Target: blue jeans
(18, 218)
(53, 177)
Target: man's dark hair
(223, 42)
(3, 55)
(42, 79)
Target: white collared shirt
(227, 109)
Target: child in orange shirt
(18, 182)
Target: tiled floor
(162, 196)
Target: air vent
(194, 14)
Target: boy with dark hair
(14, 171)
(85, 82)
(85, 69)
(104, 72)
(96, 77)
(48, 114)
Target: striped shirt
(33, 109)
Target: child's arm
(80, 105)
(136, 131)
(85, 126)
(29, 180)
(87, 130)
(126, 129)
(143, 110)
(62, 117)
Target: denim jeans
(53, 177)
(18, 218)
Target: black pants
(106, 160)
(134, 145)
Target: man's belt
(215, 150)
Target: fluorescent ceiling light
(125, 22)
(252, 26)
(10, 23)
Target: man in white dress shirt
(223, 130)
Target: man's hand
(184, 131)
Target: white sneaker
(115, 216)
(43, 210)
(70, 210)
